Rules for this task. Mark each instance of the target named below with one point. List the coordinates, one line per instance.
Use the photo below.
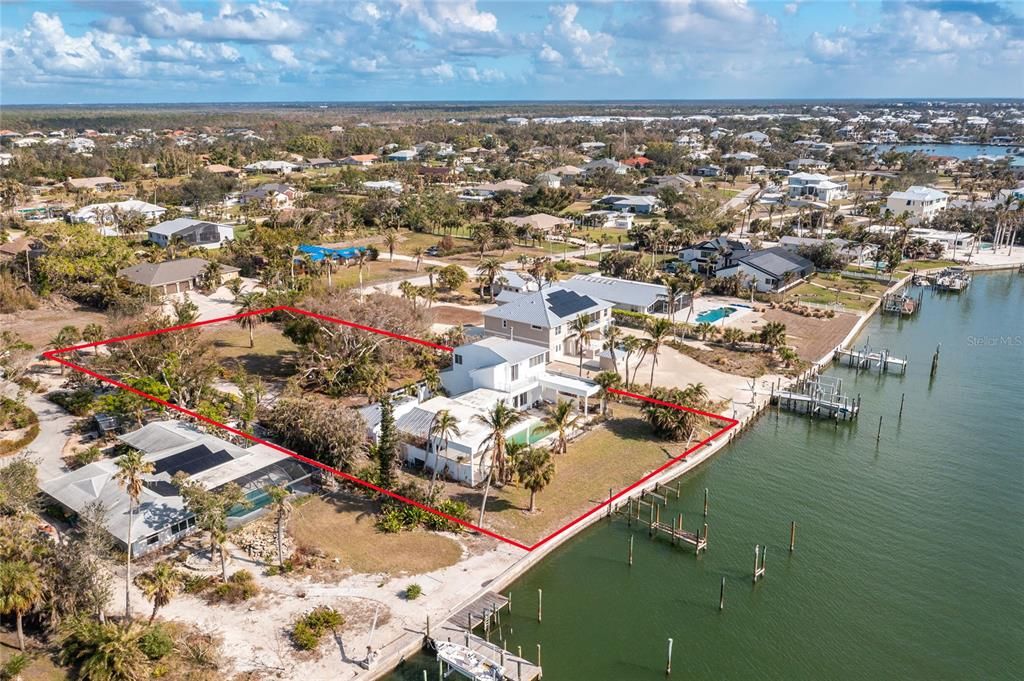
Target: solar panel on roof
(192, 461)
(565, 303)
(162, 487)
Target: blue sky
(105, 51)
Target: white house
(482, 374)
(402, 155)
(107, 214)
(922, 203)
(276, 167)
(816, 187)
(384, 185)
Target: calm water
(909, 561)
(960, 151)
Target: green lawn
(808, 293)
(917, 265)
(852, 285)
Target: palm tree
(160, 585)
(104, 651)
(21, 590)
(488, 270)
(68, 335)
(732, 336)
(580, 332)
(361, 263)
(444, 427)
(674, 286)
(607, 380)
(660, 330)
(773, 335)
(417, 254)
(562, 418)
(612, 340)
(391, 241)
(93, 333)
(631, 345)
(246, 304)
(536, 470)
(694, 285)
(130, 469)
(499, 420)
(279, 500)
(429, 294)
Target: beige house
(173, 276)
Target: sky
(120, 51)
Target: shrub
(309, 629)
(456, 509)
(390, 521)
(413, 591)
(14, 666)
(196, 584)
(76, 402)
(86, 456)
(156, 643)
(239, 587)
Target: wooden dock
(675, 532)
(485, 613)
(818, 396)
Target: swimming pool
(536, 432)
(712, 316)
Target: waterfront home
(809, 164)
(771, 269)
(393, 186)
(543, 318)
(108, 215)
(713, 254)
(623, 294)
(815, 186)
(625, 203)
(919, 203)
(191, 232)
(959, 242)
(173, 276)
(849, 251)
(483, 374)
(100, 184)
(161, 516)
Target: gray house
(771, 269)
(632, 296)
(191, 232)
(161, 516)
(543, 318)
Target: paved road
(55, 427)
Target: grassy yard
(808, 293)
(852, 285)
(413, 240)
(612, 455)
(271, 355)
(344, 528)
(611, 236)
(917, 265)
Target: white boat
(470, 664)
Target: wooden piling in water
(792, 535)
(721, 596)
(540, 605)
(630, 549)
(935, 359)
(902, 397)
(668, 666)
(878, 437)
(705, 502)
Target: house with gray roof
(191, 232)
(642, 205)
(632, 296)
(771, 269)
(543, 318)
(161, 517)
(173, 276)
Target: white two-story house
(815, 186)
(921, 203)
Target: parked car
(434, 251)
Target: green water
(909, 561)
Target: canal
(909, 553)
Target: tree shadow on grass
(280, 364)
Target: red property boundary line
(55, 355)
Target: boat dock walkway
(865, 358)
(485, 612)
(655, 528)
(820, 396)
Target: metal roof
(618, 291)
(548, 308)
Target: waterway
(909, 552)
(959, 151)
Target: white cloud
(259, 22)
(283, 55)
(569, 42)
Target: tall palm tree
(68, 335)
(580, 332)
(694, 285)
(660, 330)
(21, 590)
(631, 345)
(499, 420)
(562, 418)
(282, 507)
(93, 333)
(160, 585)
(612, 340)
(130, 469)
(391, 241)
(245, 304)
(674, 287)
(417, 254)
(361, 263)
(536, 470)
(488, 270)
(443, 427)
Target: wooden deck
(485, 613)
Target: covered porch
(558, 386)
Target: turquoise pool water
(712, 316)
(537, 432)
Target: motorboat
(469, 663)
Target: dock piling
(902, 397)
(721, 596)
(878, 437)
(668, 666)
(540, 606)
(792, 535)
(631, 550)
(705, 502)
